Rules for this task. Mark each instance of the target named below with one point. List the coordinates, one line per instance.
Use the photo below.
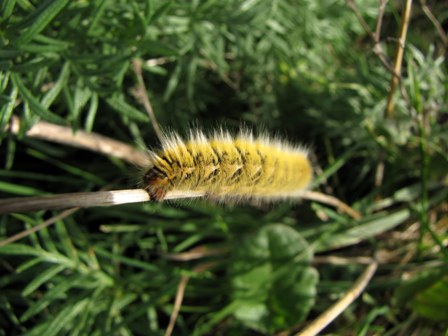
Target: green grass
(305, 70)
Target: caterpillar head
(155, 184)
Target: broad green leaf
(432, 302)
(426, 293)
(272, 280)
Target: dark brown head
(156, 184)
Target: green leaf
(91, 114)
(368, 227)
(432, 303)
(41, 278)
(46, 12)
(52, 94)
(64, 319)
(426, 294)
(81, 97)
(7, 109)
(71, 169)
(157, 48)
(7, 7)
(43, 49)
(55, 293)
(272, 280)
(173, 82)
(29, 264)
(9, 53)
(5, 65)
(160, 11)
(20, 249)
(39, 63)
(35, 105)
(118, 103)
(96, 16)
(126, 261)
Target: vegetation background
(315, 72)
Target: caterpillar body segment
(225, 168)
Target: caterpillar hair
(225, 168)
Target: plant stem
(398, 59)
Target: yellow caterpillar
(241, 168)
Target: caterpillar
(222, 167)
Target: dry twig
(142, 95)
(180, 294)
(435, 22)
(331, 200)
(375, 36)
(81, 139)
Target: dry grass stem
(335, 310)
(336, 260)
(435, 22)
(159, 61)
(73, 200)
(180, 294)
(398, 59)
(362, 22)
(196, 253)
(38, 227)
(396, 74)
(177, 304)
(379, 171)
(379, 22)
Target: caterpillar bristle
(225, 168)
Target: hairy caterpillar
(222, 167)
